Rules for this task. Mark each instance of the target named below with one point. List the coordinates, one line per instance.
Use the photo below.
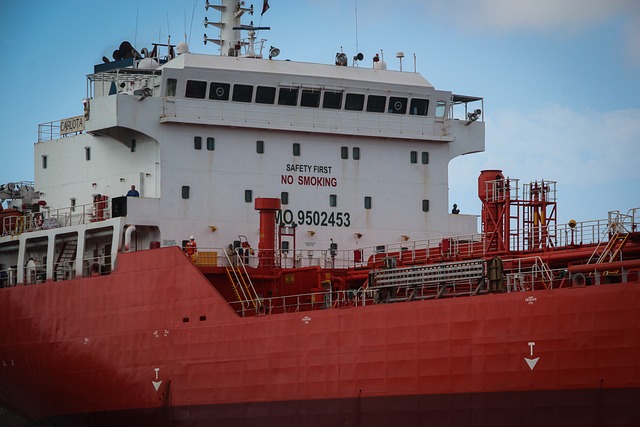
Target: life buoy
(38, 220)
(578, 280)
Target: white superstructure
(359, 156)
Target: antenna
(355, 2)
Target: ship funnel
(266, 247)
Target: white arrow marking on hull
(531, 362)
(156, 384)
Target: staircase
(65, 260)
(241, 282)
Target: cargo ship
(237, 239)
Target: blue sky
(560, 78)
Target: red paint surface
(92, 346)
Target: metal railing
(55, 218)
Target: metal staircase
(618, 232)
(241, 282)
(65, 260)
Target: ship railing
(581, 233)
(49, 218)
(321, 300)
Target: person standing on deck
(192, 249)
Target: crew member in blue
(133, 192)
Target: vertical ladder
(65, 259)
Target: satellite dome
(182, 48)
(148, 64)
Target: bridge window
(171, 87)
(242, 93)
(397, 105)
(265, 95)
(441, 108)
(332, 100)
(354, 102)
(196, 89)
(419, 107)
(376, 103)
(219, 91)
(310, 98)
(288, 96)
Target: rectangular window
(284, 198)
(367, 202)
(288, 96)
(296, 148)
(44, 162)
(242, 93)
(197, 143)
(133, 146)
(425, 157)
(196, 89)
(440, 108)
(260, 147)
(248, 196)
(265, 95)
(414, 157)
(425, 205)
(211, 143)
(419, 107)
(344, 152)
(185, 191)
(354, 102)
(356, 153)
(171, 87)
(219, 91)
(397, 105)
(333, 200)
(310, 98)
(73, 204)
(332, 100)
(376, 103)
(87, 153)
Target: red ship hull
(155, 344)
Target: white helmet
(191, 238)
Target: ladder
(65, 260)
(241, 282)
(613, 248)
